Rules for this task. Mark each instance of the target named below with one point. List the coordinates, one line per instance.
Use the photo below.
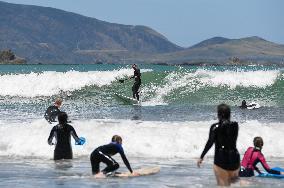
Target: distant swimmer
(62, 133)
(252, 105)
(104, 153)
(52, 111)
(227, 158)
(137, 83)
(252, 157)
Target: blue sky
(185, 22)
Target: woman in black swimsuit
(227, 158)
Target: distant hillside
(218, 50)
(48, 35)
(51, 36)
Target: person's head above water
(58, 102)
(134, 66)
(116, 138)
(62, 118)
(258, 142)
(224, 112)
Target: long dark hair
(62, 118)
(224, 113)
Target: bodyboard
(141, 172)
(253, 105)
(268, 175)
(125, 99)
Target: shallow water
(169, 129)
(25, 172)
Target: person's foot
(100, 175)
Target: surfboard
(125, 99)
(140, 172)
(253, 105)
(268, 175)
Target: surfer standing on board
(137, 83)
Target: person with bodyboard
(104, 153)
(62, 132)
(253, 156)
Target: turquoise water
(169, 128)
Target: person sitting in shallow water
(252, 157)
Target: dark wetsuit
(51, 113)
(137, 83)
(251, 157)
(224, 135)
(103, 154)
(63, 149)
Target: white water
(51, 83)
(140, 138)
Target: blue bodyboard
(268, 175)
(81, 142)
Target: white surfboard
(140, 172)
(253, 105)
(125, 99)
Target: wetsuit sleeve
(121, 152)
(74, 134)
(51, 135)
(210, 141)
(265, 165)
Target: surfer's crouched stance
(252, 156)
(104, 153)
(137, 83)
(62, 132)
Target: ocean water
(169, 129)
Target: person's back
(227, 158)
(225, 145)
(62, 132)
(111, 148)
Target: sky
(185, 22)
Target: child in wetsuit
(253, 156)
(104, 153)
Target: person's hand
(282, 173)
(199, 162)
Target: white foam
(140, 138)
(233, 79)
(188, 82)
(50, 82)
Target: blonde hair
(116, 138)
(58, 101)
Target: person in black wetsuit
(62, 132)
(52, 111)
(227, 158)
(137, 83)
(104, 153)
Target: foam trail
(140, 138)
(50, 82)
